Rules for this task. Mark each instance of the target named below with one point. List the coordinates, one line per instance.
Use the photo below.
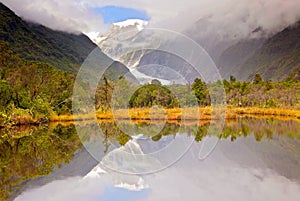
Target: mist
(226, 18)
(68, 15)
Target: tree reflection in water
(29, 152)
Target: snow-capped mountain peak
(139, 24)
(117, 28)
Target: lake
(246, 159)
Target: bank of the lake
(205, 113)
(21, 117)
(156, 113)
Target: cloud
(228, 18)
(240, 176)
(67, 15)
(237, 18)
(241, 18)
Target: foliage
(257, 79)
(201, 91)
(150, 95)
(39, 90)
(265, 94)
(156, 82)
(33, 86)
(29, 152)
(5, 94)
(65, 51)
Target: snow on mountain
(146, 79)
(96, 37)
(117, 28)
(137, 23)
(128, 182)
(128, 29)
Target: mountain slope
(277, 58)
(231, 60)
(35, 42)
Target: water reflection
(28, 152)
(238, 168)
(229, 183)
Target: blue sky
(113, 14)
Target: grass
(177, 114)
(268, 112)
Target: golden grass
(269, 112)
(66, 118)
(177, 114)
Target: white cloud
(67, 15)
(240, 176)
(225, 17)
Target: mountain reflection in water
(255, 159)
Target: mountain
(119, 31)
(31, 41)
(231, 61)
(129, 25)
(275, 57)
(117, 43)
(64, 51)
(167, 66)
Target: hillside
(231, 60)
(35, 42)
(275, 58)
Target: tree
(104, 94)
(257, 79)
(150, 95)
(156, 82)
(8, 60)
(5, 94)
(232, 79)
(200, 90)
(122, 90)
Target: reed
(176, 114)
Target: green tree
(104, 94)
(156, 82)
(257, 79)
(200, 90)
(5, 94)
(121, 92)
(150, 95)
(232, 79)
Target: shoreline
(172, 115)
(176, 114)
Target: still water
(251, 159)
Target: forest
(259, 93)
(31, 92)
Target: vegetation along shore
(34, 92)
